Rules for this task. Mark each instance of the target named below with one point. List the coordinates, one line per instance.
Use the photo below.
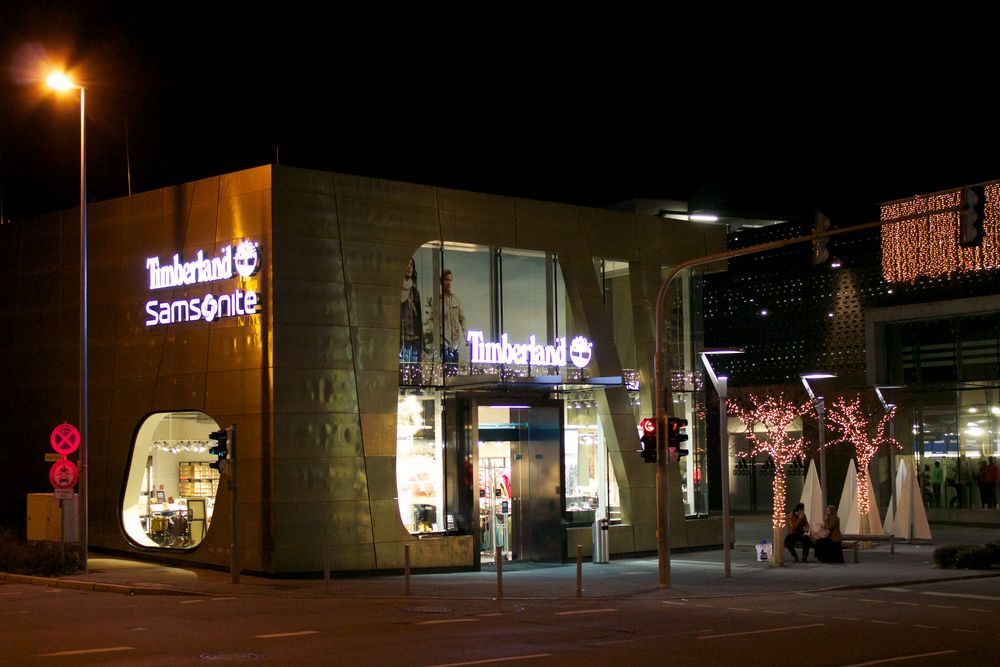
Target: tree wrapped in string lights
(854, 423)
(775, 415)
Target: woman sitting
(830, 542)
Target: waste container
(601, 551)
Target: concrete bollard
(326, 569)
(499, 562)
(579, 571)
(406, 568)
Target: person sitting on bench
(830, 543)
(798, 532)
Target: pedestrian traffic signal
(971, 210)
(647, 439)
(220, 448)
(676, 436)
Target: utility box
(48, 522)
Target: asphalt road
(953, 623)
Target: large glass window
(420, 461)
(170, 489)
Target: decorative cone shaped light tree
(855, 425)
(775, 415)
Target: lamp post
(820, 408)
(721, 385)
(892, 458)
(59, 81)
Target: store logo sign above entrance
(240, 260)
(530, 352)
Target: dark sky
(587, 112)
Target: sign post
(63, 475)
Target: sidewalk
(693, 575)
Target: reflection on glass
(170, 490)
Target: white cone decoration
(812, 496)
(910, 522)
(848, 507)
(874, 521)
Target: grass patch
(18, 556)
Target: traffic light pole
(663, 391)
(234, 563)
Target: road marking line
(229, 598)
(963, 630)
(941, 606)
(449, 620)
(301, 633)
(190, 601)
(927, 627)
(85, 651)
(491, 613)
(900, 658)
(771, 611)
(801, 613)
(583, 611)
(967, 596)
(489, 660)
(706, 606)
(758, 632)
(988, 611)
(870, 600)
(737, 609)
(908, 604)
(896, 590)
(884, 622)
(846, 618)
(671, 602)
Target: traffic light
(676, 436)
(220, 449)
(820, 252)
(648, 440)
(970, 216)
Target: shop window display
(170, 490)
(419, 461)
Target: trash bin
(764, 551)
(601, 552)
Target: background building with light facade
(907, 308)
(345, 449)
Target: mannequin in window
(411, 326)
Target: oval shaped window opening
(170, 489)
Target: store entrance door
(519, 460)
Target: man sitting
(798, 532)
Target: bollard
(326, 569)
(406, 567)
(499, 562)
(579, 571)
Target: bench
(852, 542)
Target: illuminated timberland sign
(531, 352)
(239, 260)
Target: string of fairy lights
(855, 426)
(775, 415)
(927, 245)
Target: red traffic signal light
(648, 440)
(676, 436)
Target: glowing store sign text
(245, 260)
(536, 354)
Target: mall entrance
(517, 456)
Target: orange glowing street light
(61, 82)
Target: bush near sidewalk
(967, 557)
(18, 556)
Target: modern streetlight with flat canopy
(721, 385)
(61, 82)
(820, 408)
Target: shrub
(944, 556)
(18, 556)
(993, 548)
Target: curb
(93, 586)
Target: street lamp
(820, 408)
(892, 458)
(721, 385)
(61, 82)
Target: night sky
(545, 107)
